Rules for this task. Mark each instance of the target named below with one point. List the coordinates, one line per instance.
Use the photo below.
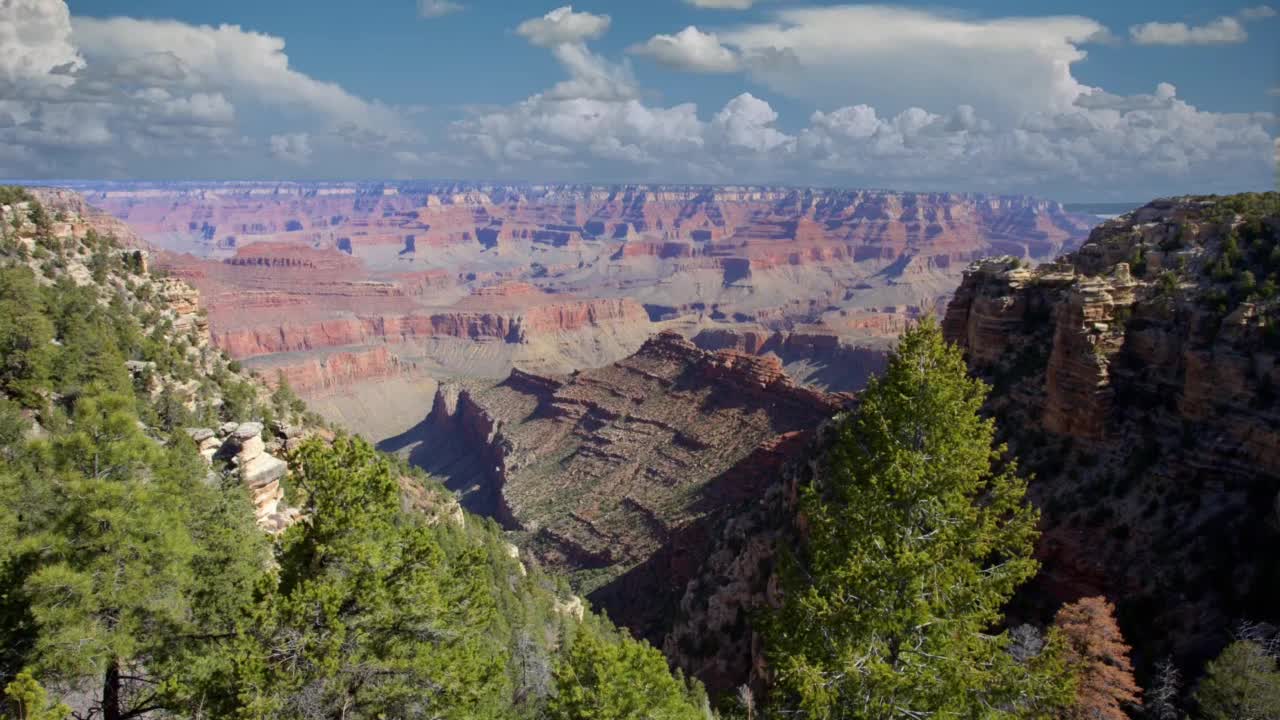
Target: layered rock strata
(618, 474)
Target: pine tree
(916, 537)
(1097, 651)
(125, 565)
(613, 677)
(370, 618)
(1240, 684)
(31, 701)
(25, 338)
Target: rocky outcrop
(620, 474)
(239, 448)
(1137, 379)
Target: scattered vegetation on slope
(135, 583)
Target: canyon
(638, 407)
(360, 291)
(617, 475)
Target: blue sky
(1085, 100)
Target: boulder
(262, 470)
(201, 434)
(250, 449)
(244, 431)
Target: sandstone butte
(618, 475)
(343, 286)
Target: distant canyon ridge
(367, 296)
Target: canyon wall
(1138, 379)
(618, 475)
(473, 280)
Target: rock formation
(1137, 378)
(618, 474)
(475, 279)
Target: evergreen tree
(370, 619)
(25, 338)
(606, 678)
(31, 701)
(1097, 651)
(1240, 684)
(110, 597)
(916, 537)
(124, 564)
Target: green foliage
(1167, 283)
(13, 194)
(30, 700)
(1241, 684)
(1138, 262)
(916, 537)
(125, 562)
(25, 337)
(603, 678)
(284, 401)
(370, 613)
(39, 217)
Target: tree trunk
(111, 691)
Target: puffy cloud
(253, 66)
(591, 76)
(35, 35)
(556, 132)
(563, 26)
(1154, 144)
(92, 97)
(1038, 130)
(747, 122)
(892, 57)
(1225, 30)
(690, 49)
(722, 4)
(291, 147)
(1222, 31)
(437, 8)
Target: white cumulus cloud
(251, 65)
(746, 122)
(1222, 31)
(1225, 30)
(104, 97)
(563, 26)
(690, 49)
(893, 57)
